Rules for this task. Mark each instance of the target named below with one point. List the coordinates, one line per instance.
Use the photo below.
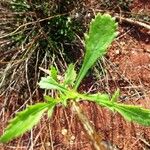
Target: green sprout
(102, 31)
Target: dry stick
(89, 128)
(137, 23)
(29, 23)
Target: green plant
(19, 5)
(58, 29)
(101, 33)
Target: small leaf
(51, 108)
(64, 99)
(115, 96)
(98, 97)
(101, 33)
(50, 83)
(70, 75)
(134, 113)
(24, 121)
(101, 99)
(53, 72)
(50, 111)
(49, 99)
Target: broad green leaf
(70, 75)
(53, 72)
(24, 121)
(129, 112)
(134, 113)
(101, 33)
(50, 83)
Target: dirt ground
(128, 68)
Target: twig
(137, 23)
(29, 23)
(45, 70)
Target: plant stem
(89, 128)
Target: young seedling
(101, 33)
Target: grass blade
(70, 76)
(50, 83)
